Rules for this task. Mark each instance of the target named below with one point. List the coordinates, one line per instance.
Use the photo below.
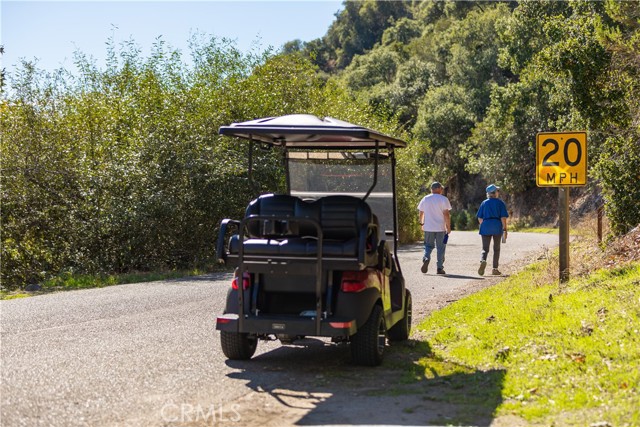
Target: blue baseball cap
(435, 185)
(492, 188)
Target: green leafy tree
(357, 28)
(567, 56)
(121, 168)
(619, 162)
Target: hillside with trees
(474, 82)
(120, 168)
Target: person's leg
(429, 244)
(496, 254)
(486, 241)
(440, 248)
(496, 249)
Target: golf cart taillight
(340, 325)
(354, 281)
(246, 281)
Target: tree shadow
(317, 380)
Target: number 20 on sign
(561, 159)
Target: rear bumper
(304, 326)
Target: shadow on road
(461, 276)
(315, 383)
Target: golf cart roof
(308, 131)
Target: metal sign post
(561, 161)
(563, 211)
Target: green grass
(544, 230)
(12, 295)
(570, 356)
(68, 281)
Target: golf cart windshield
(313, 175)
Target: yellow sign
(561, 159)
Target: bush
(464, 219)
(122, 169)
(459, 220)
(472, 220)
(618, 172)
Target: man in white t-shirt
(435, 218)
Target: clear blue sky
(52, 30)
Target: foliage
(119, 169)
(464, 219)
(356, 29)
(474, 82)
(576, 72)
(434, 70)
(619, 171)
(619, 163)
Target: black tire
(237, 346)
(367, 345)
(401, 330)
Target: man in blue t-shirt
(492, 216)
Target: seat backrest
(282, 205)
(342, 217)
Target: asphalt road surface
(148, 354)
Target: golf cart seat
(287, 226)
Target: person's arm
(503, 217)
(447, 220)
(480, 220)
(421, 217)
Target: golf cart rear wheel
(237, 346)
(401, 330)
(367, 345)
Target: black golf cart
(320, 260)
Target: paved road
(147, 354)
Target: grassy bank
(570, 355)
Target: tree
(357, 28)
(121, 168)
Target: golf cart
(322, 259)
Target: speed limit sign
(561, 159)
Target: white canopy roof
(306, 130)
